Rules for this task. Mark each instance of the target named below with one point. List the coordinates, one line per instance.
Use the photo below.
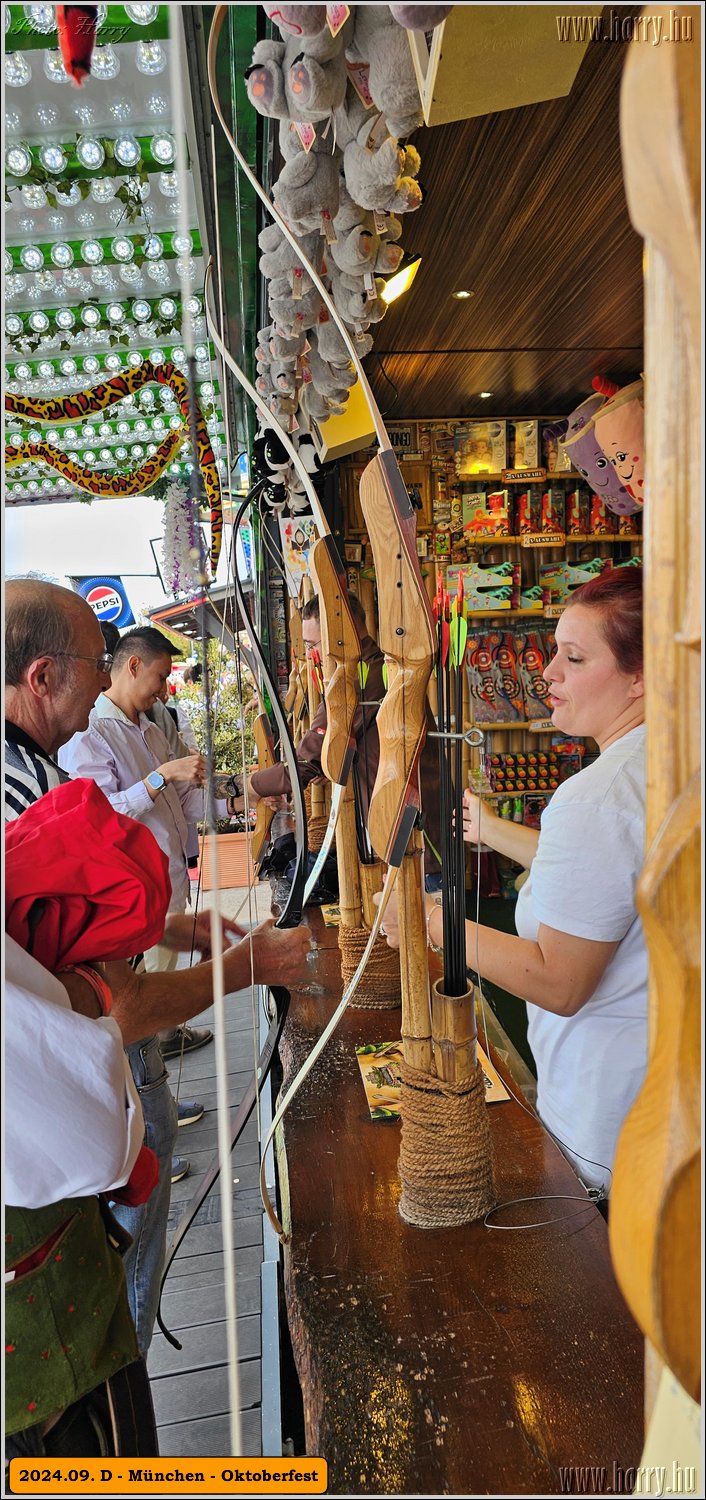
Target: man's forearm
(146, 1003)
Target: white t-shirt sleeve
(586, 869)
(73, 1120)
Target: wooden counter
(464, 1361)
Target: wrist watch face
(155, 780)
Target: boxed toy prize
(480, 447)
(527, 453)
(493, 680)
(558, 580)
(491, 586)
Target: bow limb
(340, 646)
(316, 1051)
(289, 917)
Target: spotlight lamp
(399, 283)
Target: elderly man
(55, 668)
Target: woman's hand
(474, 815)
(185, 932)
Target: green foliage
(231, 727)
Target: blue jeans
(147, 1223)
(432, 883)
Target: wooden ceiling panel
(527, 210)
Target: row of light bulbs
(90, 153)
(122, 249)
(150, 60)
(91, 365)
(120, 108)
(140, 310)
(34, 486)
(103, 190)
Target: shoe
(189, 1111)
(180, 1168)
(171, 1041)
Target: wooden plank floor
(189, 1388)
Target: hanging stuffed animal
(585, 453)
(76, 27)
(619, 426)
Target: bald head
(41, 619)
(53, 652)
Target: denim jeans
(147, 1223)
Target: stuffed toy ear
(417, 17)
(297, 20)
(620, 431)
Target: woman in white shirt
(579, 959)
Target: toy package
(559, 579)
(552, 511)
(577, 511)
(527, 451)
(480, 447)
(490, 586)
(534, 650)
(493, 685)
(529, 510)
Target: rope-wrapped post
(316, 819)
(379, 988)
(445, 1164)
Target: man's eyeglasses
(103, 663)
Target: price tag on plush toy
(336, 16)
(359, 75)
(306, 133)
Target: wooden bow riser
(406, 635)
(265, 747)
(340, 653)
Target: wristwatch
(156, 781)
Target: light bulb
(142, 15)
(91, 365)
(18, 160)
(41, 17)
(163, 148)
(167, 307)
(103, 189)
(157, 104)
(141, 311)
(53, 158)
(90, 316)
(150, 58)
(70, 198)
(17, 70)
(122, 248)
(32, 257)
(127, 149)
(153, 248)
(90, 152)
(39, 322)
(68, 366)
(116, 312)
(65, 318)
(62, 255)
(168, 184)
(33, 195)
(92, 252)
(105, 63)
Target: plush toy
(583, 415)
(413, 17)
(619, 428)
(331, 345)
(382, 179)
(359, 247)
(298, 80)
(586, 455)
(353, 301)
(325, 379)
(306, 192)
(392, 82)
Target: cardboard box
(480, 448)
(527, 450)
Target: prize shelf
(579, 536)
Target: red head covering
(102, 879)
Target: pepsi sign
(107, 598)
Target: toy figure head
(619, 429)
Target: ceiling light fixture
(462, 296)
(484, 395)
(401, 281)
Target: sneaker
(189, 1111)
(171, 1043)
(180, 1168)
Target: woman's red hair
(616, 595)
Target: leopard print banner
(103, 483)
(83, 403)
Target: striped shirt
(29, 772)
